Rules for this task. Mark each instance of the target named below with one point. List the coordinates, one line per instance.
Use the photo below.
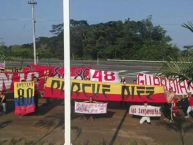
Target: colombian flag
(24, 97)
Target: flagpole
(67, 108)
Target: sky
(16, 24)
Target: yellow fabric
(89, 102)
(115, 88)
(23, 87)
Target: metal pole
(34, 37)
(33, 29)
(67, 108)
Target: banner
(149, 111)
(180, 88)
(90, 108)
(2, 65)
(76, 72)
(104, 76)
(82, 90)
(24, 97)
(7, 79)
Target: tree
(57, 29)
(182, 70)
(127, 39)
(74, 23)
(188, 26)
(188, 50)
(5, 53)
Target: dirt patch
(115, 127)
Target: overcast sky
(16, 27)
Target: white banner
(90, 108)
(104, 76)
(2, 66)
(180, 88)
(149, 111)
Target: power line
(12, 19)
(62, 20)
(49, 20)
(43, 27)
(23, 27)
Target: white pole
(37, 58)
(34, 37)
(66, 17)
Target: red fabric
(75, 71)
(190, 100)
(7, 79)
(57, 93)
(174, 108)
(24, 109)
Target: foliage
(57, 29)
(182, 70)
(188, 50)
(4, 53)
(188, 26)
(126, 40)
(123, 40)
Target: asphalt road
(127, 69)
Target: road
(127, 69)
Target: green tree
(188, 26)
(182, 70)
(124, 39)
(188, 50)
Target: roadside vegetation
(129, 39)
(182, 69)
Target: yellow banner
(23, 89)
(81, 89)
(99, 87)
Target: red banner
(179, 87)
(7, 79)
(76, 72)
(103, 91)
(2, 65)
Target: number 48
(103, 75)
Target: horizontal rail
(134, 60)
(146, 61)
